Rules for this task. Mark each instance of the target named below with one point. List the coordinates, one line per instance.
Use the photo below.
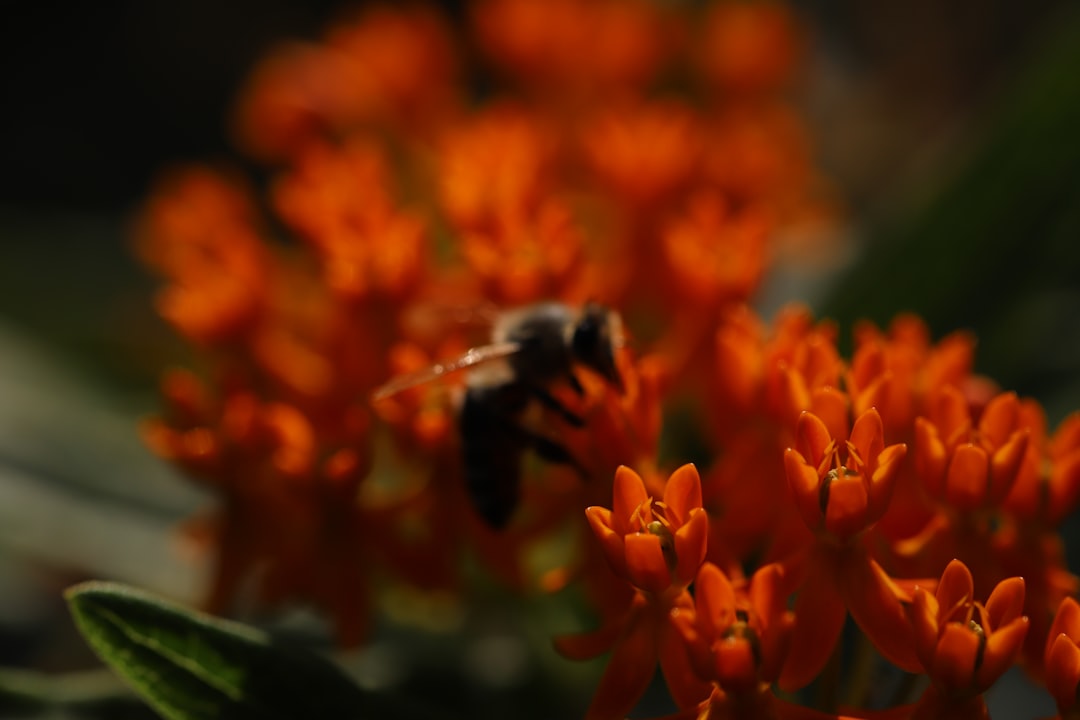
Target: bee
(531, 350)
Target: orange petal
(999, 418)
(691, 543)
(868, 437)
(585, 646)
(924, 626)
(697, 645)
(600, 519)
(953, 668)
(628, 493)
(812, 439)
(884, 478)
(1004, 464)
(645, 563)
(1064, 487)
(736, 665)
(1062, 671)
(804, 483)
(830, 405)
(955, 589)
(819, 618)
(845, 513)
(930, 457)
(685, 687)
(766, 593)
(1006, 602)
(1067, 621)
(714, 597)
(1002, 648)
(871, 599)
(629, 672)
(683, 491)
(952, 411)
(967, 480)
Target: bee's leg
(552, 451)
(551, 403)
(575, 384)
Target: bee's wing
(469, 358)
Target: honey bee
(532, 348)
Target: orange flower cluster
(398, 215)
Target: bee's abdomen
(492, 448)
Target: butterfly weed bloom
(963, 644)
(840, 491)
(1062, 657)
(737, 638)
(657, 546)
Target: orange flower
(966, 464)
(963, 645)
(1047, 486)
(496, 163)
(715, 255)
(912, 370)
(340, 201)
(655, 545)
(840, 493)
(737, 639)
(644, 154)
(749, 47)
(526, 259)
(199, 232)
(1062, 658)
(842, 490)
(574, 50)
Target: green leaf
(189, 666)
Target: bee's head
(597, 334)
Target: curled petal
(1062, 671)
(715, 599)
(884, 478)
(691, 543)
(697, 645)
(872, 599)
(845, 513)
(955, 589)
(968, 478)
(999, 419)
(804, 482)
(930, 457)
(600, 519)
(1067, 621)
(924, 626)
(952, 411)
(629, 672)
(1064, 487)
(585, 646)
(819, 618)
(736, 665)
(812, 439)
(1004, 465)
(686, 688)
(830, 405)
(868, 437)
(628, 494)
(683, 491)
(1002, 647)
(645, 563)
(766, 593)
(1006, 602)
(953, 668)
